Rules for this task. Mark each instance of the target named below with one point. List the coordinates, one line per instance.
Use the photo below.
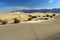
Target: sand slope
(30, 31)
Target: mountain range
(54, 10)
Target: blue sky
(10, 5)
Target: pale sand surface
(31, 31)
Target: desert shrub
(16, 20)
(29, 19)
(47, 15)
(54, 14)
(0, 20)
(38, 15)
(34, 17)
(30, 15)
(51, 16)
(45, 18)
(4, 22)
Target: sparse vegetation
(34, 17)
(54, 14)
(0, 20)
(51, 16)
(38, 15)
(45, 18)
(16, 20)
(3, 21)
(30, 15)
(29, 19)
(47, 15)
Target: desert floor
(31, 31)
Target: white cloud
(50, 1)
(21, 8)
(17, 8)
(12, 8)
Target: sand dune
(31, 31)
(22, 16)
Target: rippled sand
(31, 31)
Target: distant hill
(54, 10)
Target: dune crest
(26, 17)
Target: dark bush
(4, 22)
(47, 15)
(0, 20)
(54, 14)
(16, 20)
(34, 17)
(29, 19)
(30, 15)
(51, 16)
(38, 15)
(45, 18)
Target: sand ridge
(23, 17)
(31, 31)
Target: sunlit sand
(28, 30)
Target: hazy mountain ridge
(54, 10)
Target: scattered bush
(4, 22)
(54, 14)
(16, 20)
(0, 20)
(38, 15)
(29, 19)
(51, 16)
(47, 15)
(45, 18)
(30, 15)
(34, 17)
